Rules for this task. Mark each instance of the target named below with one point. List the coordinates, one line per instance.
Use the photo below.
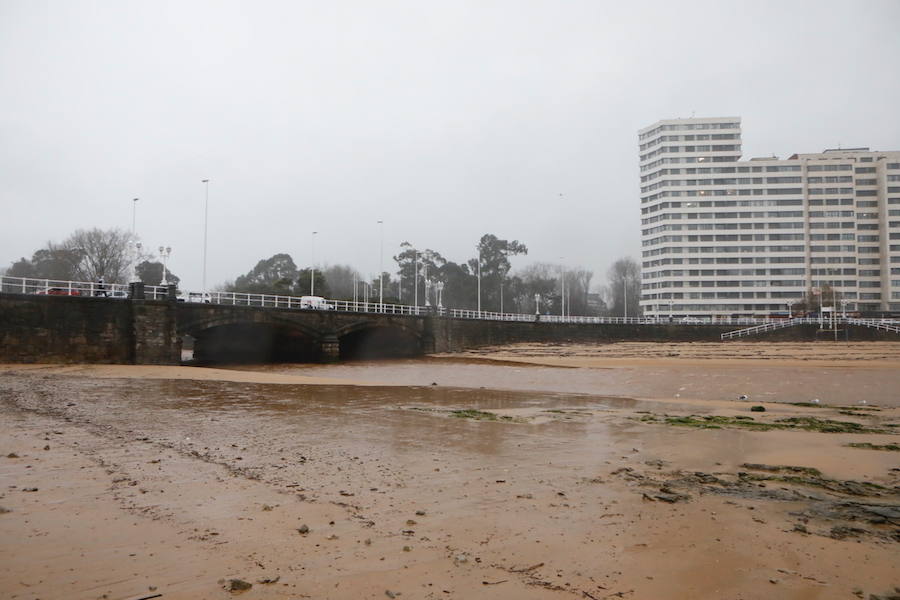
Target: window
(865, 170)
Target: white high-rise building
(723, 236)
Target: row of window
(701, 148)
(688, 127)
(689, 160)
(747, 237)
(762, 260)
(730, 272)
(690, 138)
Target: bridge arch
(382, 338)
(254, 338)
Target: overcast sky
(445, 119)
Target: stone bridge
(73, 329)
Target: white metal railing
(883, 324)
(31, 285)
(771, 326)
(54, 287)
(892, 325)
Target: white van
(195, 297)
(315, 303)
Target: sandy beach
(530, 471)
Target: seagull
(743, 397)
(863, 402)
(815, 400)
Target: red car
(57, 291)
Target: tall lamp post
(132, 270)
(479, 278)
(439, 288)
(312, 265)
(625, 294)
(205, 232)
(416, 283)
(427, 284)
(562, 286)
(164, 254)
(381, 269)
(790, 305)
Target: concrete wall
(454, 335)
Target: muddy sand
(617, 471)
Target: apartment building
(723, 236)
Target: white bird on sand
(743, 397)
(815, 400)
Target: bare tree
(102, 253)
(86, 255)
(624, 281)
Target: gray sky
(445, 119)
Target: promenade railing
(32, 285)
(56, 287)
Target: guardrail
(882, 324)
(31, 285)
(54, 287)
(892, 325)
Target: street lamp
(537, 304)
(205, 231)
(164, 254)
(439, 288)
(790, 304)
(562, 286)
(132, 270)
(625, 293)
(312, 265)
(479, 278)
(381, 268)
(427, 283)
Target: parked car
(691, 320)
(315, 303)
(58, 291)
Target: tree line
(88, 255)
(91, 255)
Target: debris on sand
(236, 586)
(869, 446)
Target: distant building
(725, 236)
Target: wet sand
(175, 481)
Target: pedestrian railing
(54, 287)
(892, 325)
(882, 324)
(31, 285)
(770, 326)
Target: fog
(444, 120)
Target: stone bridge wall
(72, 329)
(100, 330)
